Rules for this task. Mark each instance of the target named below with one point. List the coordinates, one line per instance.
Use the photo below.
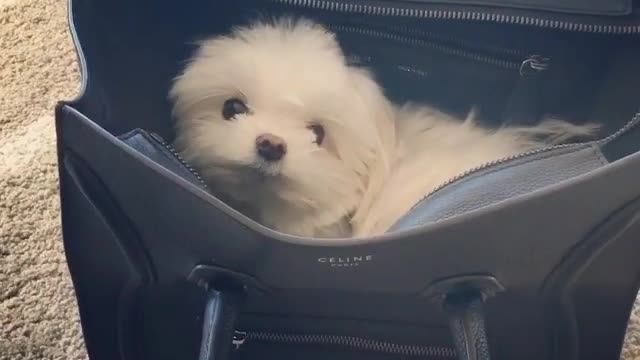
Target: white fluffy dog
(284, 130)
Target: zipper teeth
(628, 126)
(454, 40)
(378, 10)
(406, 68)
(459, 41)
(353, 342)
(507, 64)
(177, 155)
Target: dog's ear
(379, 115)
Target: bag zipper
(531, 64)
(347, 342)
(472, 15)
(450, 39)
(628, 126)
(176, 154)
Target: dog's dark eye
(233, 107)
(319, 131)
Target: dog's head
(273, 115)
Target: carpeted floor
(38, 317)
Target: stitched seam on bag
(599, 155)
(160, 148)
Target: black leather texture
(218, 327)
(152, 148)
(466, 319)
(503, 182)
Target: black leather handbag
(528, 257)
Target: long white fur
(376, 161)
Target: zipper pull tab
(522, 107)
(239, 337)
(534, 65)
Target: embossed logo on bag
(345, 261)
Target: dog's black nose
(270, 147)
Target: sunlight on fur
(286, 132)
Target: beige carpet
(38, 317)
